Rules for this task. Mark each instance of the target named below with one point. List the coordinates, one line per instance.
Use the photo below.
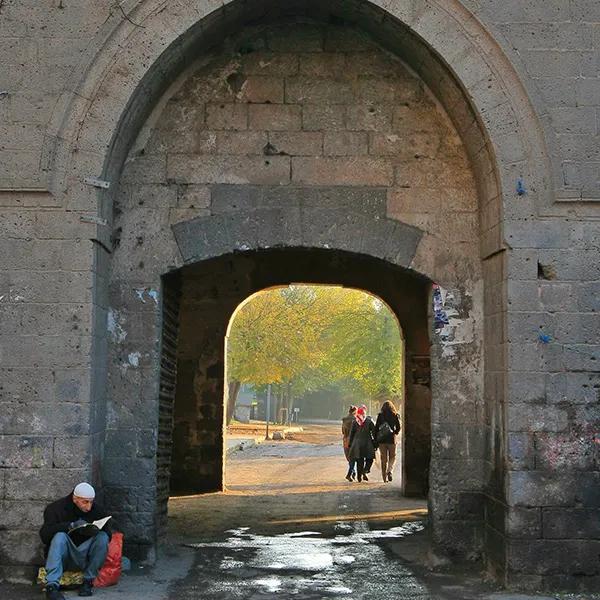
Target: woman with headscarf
(387, 427)
(362, 443)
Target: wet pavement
(290, 526)
(346, 560)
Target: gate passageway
(290, 525)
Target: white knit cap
(84, 490)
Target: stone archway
(120, 92)
(210, 291)
(232, 181)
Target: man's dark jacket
(59, 515)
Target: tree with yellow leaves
(302, 338)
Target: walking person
(346, 427)
(362, 443)
(387, 427)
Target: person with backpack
(362, 443)
(387, 427)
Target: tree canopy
(309, 337)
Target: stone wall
(529, 72)
(212, 290)
(321, 124)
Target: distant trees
(303, 338)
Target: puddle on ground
(307, 565)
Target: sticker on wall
(440, 316)
(451, 328)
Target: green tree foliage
(305, 338)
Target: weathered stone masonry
(476, 122)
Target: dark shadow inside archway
(199, 301)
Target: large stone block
(71, 452)
(121, 443)
(150, 169)
(45, 287)
(146, 444)
(536, 417)
(538, 234)
(457, 475)
(526, 387)
(270, 63)
(23, 452)
(300, 143)
(15, 514)
(455, 441)
(571, 523)
(42, 484)
(26, 385)
(543, 488)
(345, 143)
(227, 116)
(304, 90)
(341, 171)
(44, 418)
(524, 522)
(521, 451)
(193, 196)
(363, 117)
(46, 319)
(413, 199)
(135, 472)
(574, 388)
(548, 557)
(317, 117)
(572, 265)
(581, 357)
(565, 452)
(241, 142)
(262, 89)
(18, 547)
(457, 506)
(137, 527)
(275, 117)
(229, 169)
(323, 64)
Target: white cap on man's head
(84, 490)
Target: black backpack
(384, 432)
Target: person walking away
(346, 427)
(369, 461)
(68, 549)
(362, 443)
(387, 427)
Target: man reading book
(72, 541)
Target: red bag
(111, 569)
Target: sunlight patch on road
(404, 515)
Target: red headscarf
(360, 416)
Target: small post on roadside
(268, 410)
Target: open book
(89, 529)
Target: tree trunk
(233, 389)
(290, 402)
(280, 399)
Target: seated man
(83, 551)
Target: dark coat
(394, 422)
(346, 427)
(59, 514)
(362, 443)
